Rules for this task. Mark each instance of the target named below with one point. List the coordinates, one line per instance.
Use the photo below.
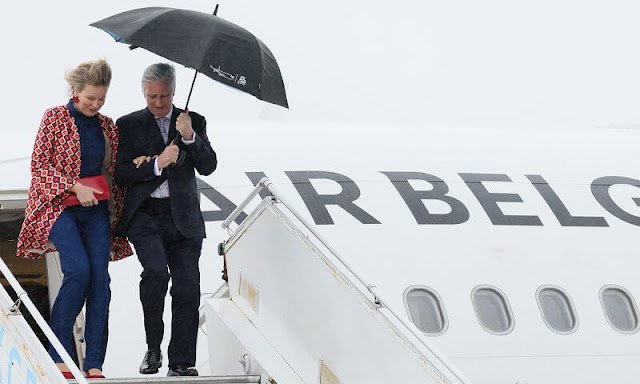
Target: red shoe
(90, 376)
(67, 374)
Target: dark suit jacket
(139, 135)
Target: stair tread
(178, 380)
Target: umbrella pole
(191, 90)
(186, 107)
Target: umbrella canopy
(218, 48)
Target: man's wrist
(156, 167)
(191, 140)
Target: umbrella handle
(181, 155)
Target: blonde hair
(95, 72)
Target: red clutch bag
(98, 182)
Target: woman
(76, 141)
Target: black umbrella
(218, 48)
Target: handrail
(265, 183)
(262, 184)
(42, 323)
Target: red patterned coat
(55, 167)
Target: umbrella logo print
(241, 80)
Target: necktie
(163, 190)
(164, 129)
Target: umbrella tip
(215, 11)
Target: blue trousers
(82, 237)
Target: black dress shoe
(151, 362)
(182, 370)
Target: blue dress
(82, 237)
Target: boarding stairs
(23, 358)
(296, 311)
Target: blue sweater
(91, 142)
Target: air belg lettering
(349, 193)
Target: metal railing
(23, 298)
(378, 297)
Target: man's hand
(168, 156)
(183, 125)
(85, 194)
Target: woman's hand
(138, 161)
(85, 194)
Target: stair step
(179, 380)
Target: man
(162, 216)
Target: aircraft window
(620, 309)
(426, 310)
(557, 309)
(492, 309)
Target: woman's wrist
(74, 188)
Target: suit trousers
(82, 237)
(166, 254)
